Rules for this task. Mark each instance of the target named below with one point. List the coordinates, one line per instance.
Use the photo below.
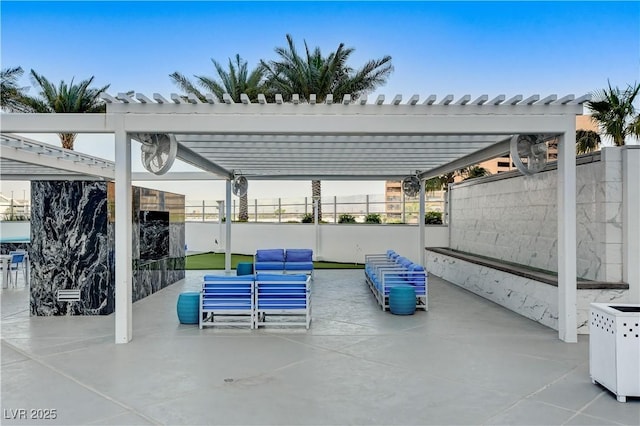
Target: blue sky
(437, 47)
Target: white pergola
(341, 140)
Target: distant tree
(312, 73)
(614, 111)
(65, 98)
(473, 172)
(12, 96)
(587, 141)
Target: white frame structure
(340, 140)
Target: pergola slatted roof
(26, 159)
(386, 139)
(289, 139)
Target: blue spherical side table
(188, 307)
(402, 300)
(244, 268)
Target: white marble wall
(530, 298)
(515, 219)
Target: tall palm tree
(613, 109)
(313, 73)
(65, 98)
(11, 95)
(587, 141)
(235, 81)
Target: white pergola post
(123, 237)
(567, 259)
(227, 239)
(316, 224)
(631, 220)
(421, 227)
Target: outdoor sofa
(258, 300)
(384, 271)
(295, 261)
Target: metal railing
(283, 210)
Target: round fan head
(158, 152)
(411, 186)
(239, 186)
(529, 153)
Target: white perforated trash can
(614, 348)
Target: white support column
(227, 240)
(220, 223)
(316, 224)
(567, 259)
(123, 237)
(631, 220)
(421, 227)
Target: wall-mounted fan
(158, 151)
(411, 186)
(239, 185)
(529, 153)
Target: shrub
(346, 218)
(433, 218)
(372, 218)
(307, 218)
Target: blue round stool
(402, 300)
(188, 307)
(244, 268)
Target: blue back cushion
(270, 255)
(299, 255)
(417, 279)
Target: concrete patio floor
(466, 361)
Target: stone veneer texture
(70, 248)
(515, 219)
(530, 298)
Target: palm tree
(315, 74)
(235, 82)
(11, 95)
(65, 98)
(613, 109)
(587, 141)
(473, 172)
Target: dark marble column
(70, 247)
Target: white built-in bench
(529, 292)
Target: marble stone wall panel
(536, 301)
(70, 247)
(515, 219)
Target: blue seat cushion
(270, 255)
(298, 266)
(268, 266)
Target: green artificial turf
(216, 261)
